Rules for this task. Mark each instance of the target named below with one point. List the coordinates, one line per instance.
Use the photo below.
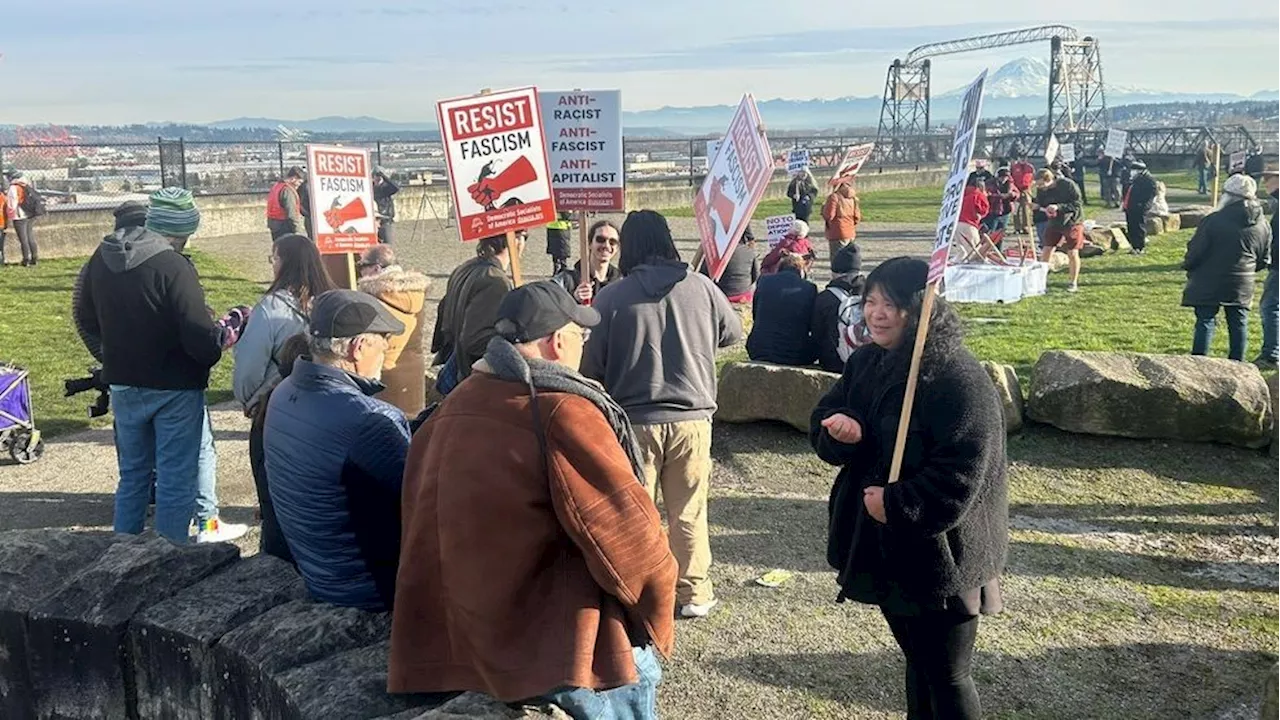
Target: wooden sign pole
(584, 250)
(513, 254)
(909, 399)
(351, 271)
(1217, 171)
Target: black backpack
(33, 202)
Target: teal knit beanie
(173, 213)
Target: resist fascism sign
(736, 180)
(584, 137)
(341, 198)
(497, 162)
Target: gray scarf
(507, 363)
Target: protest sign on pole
(1117, 141)
(342, 204)
(776, 227)
(797, 161)
(1051, 149)
(952, 195)
(737, 177)
(496, 155)
(1235, 162)
(854, 158)
(584, 146)
(713, 147)
(1067, 152)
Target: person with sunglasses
(603, 249)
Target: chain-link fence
(90, 175)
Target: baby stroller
(18, 433)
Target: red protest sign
(736, 180)
(341, 199)
(854, 158)
(497, 161)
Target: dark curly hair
(645, 238)
(902, 280)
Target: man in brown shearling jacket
(533, 563)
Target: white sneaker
(697, 611)
(1073, 288)
(214, 530)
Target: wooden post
(513, 254)
(352, 280)
(584, 250)
(908, 400)
(1217, 171)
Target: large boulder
(752, 391)
(1172, 222)
(1155, 225)
(1058, 262)
(1177, 397)
(76, 636)
(172, 640)
(1274, 391)
(1192, 216)
(1010, 392)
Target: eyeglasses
(602, 239)
(584, 332)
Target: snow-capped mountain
(1024, 77)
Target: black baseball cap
(538, 309)
(348, 313)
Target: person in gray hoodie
(654, 351)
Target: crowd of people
(512, 529)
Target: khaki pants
(835, 246)
(677, 458)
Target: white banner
(776, 227)
(1067, 152)
(584, 147)
(1051, 149)
(1117, 141)
(953, 194)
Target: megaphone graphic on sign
(338, 216)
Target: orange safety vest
(275, 209)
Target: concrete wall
(75, 232)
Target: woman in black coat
(930, 548)
(1230, 245)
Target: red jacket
(1002, 198)
(974, 206)
(1023, 175)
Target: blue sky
(104, 61)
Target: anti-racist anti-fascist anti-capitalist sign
(497, 160)
(953, 194)
(342, 206)
(584, 139)
(736, 180)
(1117, 141)
(853, 160)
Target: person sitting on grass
(782, 312)
(843, 296)
(927, 550)
(795, 242)
(1059, 199)
(738, 281)
(1230, 245)
(335, 455)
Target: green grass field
(37, 333)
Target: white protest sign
(776, 227)
(1067, 152)
(953, 194)
(496, 154)
(854, 158)
(1051, 149)
(342, 205)
(584, 143)
(797, 161)
(713, 147)
(737, 177)
(1117, 141)
(1236, 161)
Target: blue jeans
(207, 473)
(1203, 177)
(629, 702)
(1040, 228)
(1237, 327)
(1270, 310)
(157, 430)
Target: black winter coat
(781, 312)
(1229, 246)
(948, 516)
(825, 326)
(1142, 192)
(382, 197)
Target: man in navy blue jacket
(335, 455)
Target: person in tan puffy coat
(404, 293)
(841, 213)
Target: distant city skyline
(91, 63)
